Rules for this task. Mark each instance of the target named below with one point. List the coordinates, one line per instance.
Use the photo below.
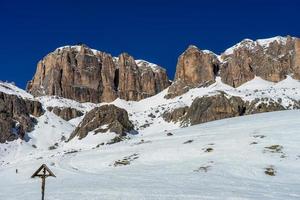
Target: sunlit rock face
(87, 75)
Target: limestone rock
(176, 115)
(258, 106)
(65, 113)
(87, 75)
(296, 60)
(103, 119)
(209, 108)
(15, 119)
(194, 68)
(271, 59)
(219, 106)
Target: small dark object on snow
(270, 171)
(189, 141)
(209, 150)
(169, 134)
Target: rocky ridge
(17, 116)
(86, 75)
(251, 77)
(271, 59)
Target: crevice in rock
(242, 110)
(216, 69)
(116, 80)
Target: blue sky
(157, 30)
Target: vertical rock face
(296, 61)
(86, 75)
(15, 118)
(71, 72)
(271, 59)
(129, 78)
(194, 68)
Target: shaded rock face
(86, 75)
(271, 60)
(176, 115)
(138, 80)
(205, 109)
(65, 113)
(210, 108)
(103, 119)
(194, 68)
(260, 107)
(15, 119)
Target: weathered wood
(50, 173)
(43, 172)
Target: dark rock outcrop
(176, 115)
(65, 113)
(86, 75)
(103, 119)
(220, 106)
(209, 108)
(260, 106)
(15, 119)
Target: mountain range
(83, 101)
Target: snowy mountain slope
(10, 88)
(147, 114)
(250, 44)
(227, 155)
(225, 159)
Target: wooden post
(45, 172)
(43, 183)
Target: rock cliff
(271, 59)
(87, 75)
(194, 68)
(15, 119)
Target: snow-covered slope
(250, 44)
(226, 159)
(10, 88)
(198, 162)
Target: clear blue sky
(154, 30)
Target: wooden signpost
(43, 172)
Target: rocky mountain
(194, 68)
(87, 75)
(87, 114)
(17, 115)
(90, 92)
(271, 59)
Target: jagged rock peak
(194, 68)
(271, 59)
(87, 75)
(265, 43)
